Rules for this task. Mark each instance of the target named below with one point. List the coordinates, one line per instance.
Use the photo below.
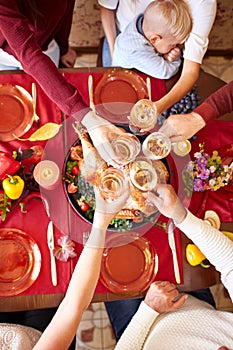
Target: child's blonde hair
(176, 15)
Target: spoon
(35, 117)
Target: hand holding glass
(112, 183)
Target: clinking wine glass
(143, 116)
(156, 146)
(112, 183)
(142, 174)
(126, 147)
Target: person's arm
(109, 26)
(159, 299)
(203, 15)
(183, 126)
(217, 248)
(20, 40)
(189, 76)
(62, 329)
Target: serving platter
(116, 92)
(124, 223)
(20, 261)
(16, 111)
(128, 266)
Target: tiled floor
(95, 331)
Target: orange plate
(20, 261)
(15, 111)
(129, 266)
(117, 92)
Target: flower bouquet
(206, 172)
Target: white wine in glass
(156, 146)
(143, 116)
(126, 147)
(142, 174)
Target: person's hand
(102, 132)
(181, 127)
(160, 297)
(172, 55)
(106, 210)
(167, 202)
(68, 60)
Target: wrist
(180, 216)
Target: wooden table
(194, 278)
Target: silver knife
(50, 240)
(172, 245)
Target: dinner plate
(116, 93)
(20, 261)
(16, 112)
(128, 266)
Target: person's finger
(179, 302)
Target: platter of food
(78, 181)
(16, 111)
(20, 261)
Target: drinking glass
(112, 183)
(126, 147)
(156, 146)
(142, 174)
(143, 116)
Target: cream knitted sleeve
(135, 334)
(217, 248)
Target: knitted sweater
(133, 50)
(196, 325)
(25, 41)
(217, 104)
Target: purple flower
(202, 162)
(204, 174)
(198, 185)
(190, 165)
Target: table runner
(156, 235)
(35, 221)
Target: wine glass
(112, 183)
(143, 116)
(156, 146)
(126, 147)
(142, 174)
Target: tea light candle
(182, 148)
(47, 174)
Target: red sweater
(19, 37)
(217, 104)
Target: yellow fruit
(45, 132)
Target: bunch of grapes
(189, 102)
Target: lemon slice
(45, 132)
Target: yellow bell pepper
(13, 186)
(194, 256)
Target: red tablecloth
(35, 221)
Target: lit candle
(47, 174)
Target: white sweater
(196, 325)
